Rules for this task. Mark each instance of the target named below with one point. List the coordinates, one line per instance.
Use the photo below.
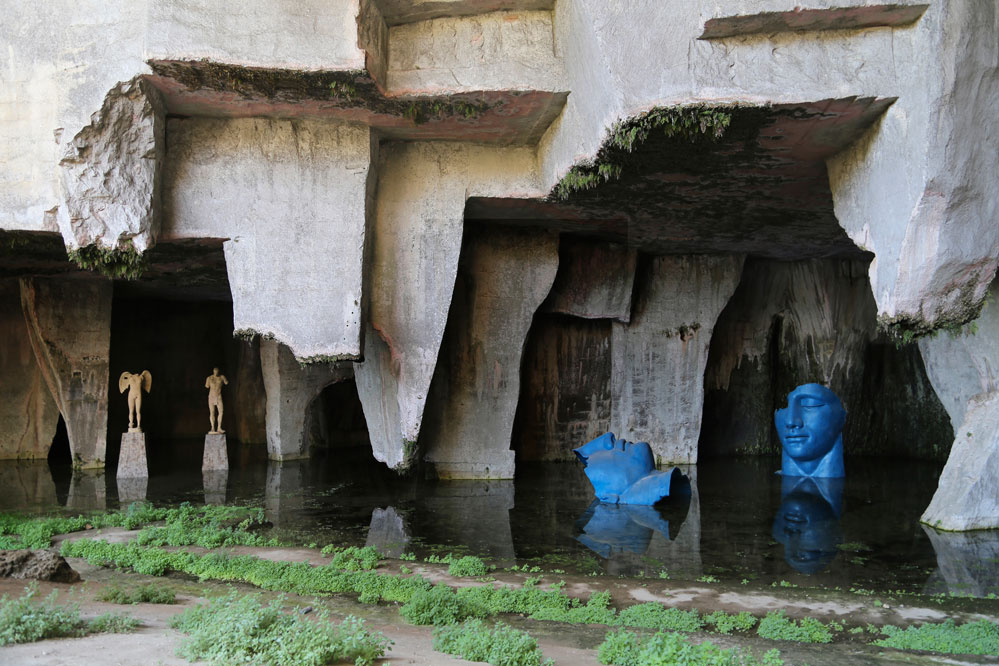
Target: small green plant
(654, 615)
(208, 527)
(469, 565)
(624, 648)
(239, 629)
(725, 623)
(408, 557)
(777, 626)
(122, 262)
(981, 637)
(143, 594)
(353, 558)
(501, 645)
(437, 606)
(112, 623)
(25, 619)
(707, 578)
(18, 531)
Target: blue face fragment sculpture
(811, 432)
(807, 521)
(624, 472)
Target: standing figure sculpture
(811, 432)
(135, 384)
(214, 384)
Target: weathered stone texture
(28, 414)
(595, 280)
(215, 456)
(36, 565)
(658, 360)
(290, 388)
(964, 363)
(415, 248)
(967, 563)
(967, 496)
(296, 243)
(373, 37)
(497, 51)
(565, 398)
(69, 324)
(132, 462)
(132, 489)
(111, 172)
(504, 277)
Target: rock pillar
(69, 326)
(658, 360)
(504, 277)
(290, 387)
(28, 414)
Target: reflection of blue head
(807, 522)
(810, 430)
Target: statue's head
(614, 465)
(807, 522)
(809, 429)
(215, 371)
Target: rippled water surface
(737, 522)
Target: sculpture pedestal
(132, 489)
(132, 459)
(216, 457)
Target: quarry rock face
(966, 497)
(111, 172)
(69, 326)
(425, 189)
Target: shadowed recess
(803, 20)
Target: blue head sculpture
(811, 432)
(624, 472)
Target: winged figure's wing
(147, 381)
(123, 381)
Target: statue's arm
(224, 380)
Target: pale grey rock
(505, 276)
(387, 532)
(28, 414)
(69, 325)
(111, 172)
(964, 363)
(87, 490)
(132, 462)
(290, 387)
(415, 247)
(658, 360)
(967, 496)
(496, 51)
(595, 280)
(288, 281)
(373, 37)
(36, 565)
(215, 456)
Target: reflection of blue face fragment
(807, 523)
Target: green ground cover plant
(353, 558)
(240, 629)
(500, 645)
(981, 637)
(26, 619)
(208, 527)
(469, 566)
(142, 594)
(19, 531)
(625, 648)
(777, 626)
(653, 615)
(438, 606)
(726, 623)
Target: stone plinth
(216, 457)
(132, 459)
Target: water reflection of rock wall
(26, 485)
(474, 514)
(967, 563)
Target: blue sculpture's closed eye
(624, 472)
(811, 432)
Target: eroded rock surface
(111, 172)
(36, 565)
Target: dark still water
(738, 522)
